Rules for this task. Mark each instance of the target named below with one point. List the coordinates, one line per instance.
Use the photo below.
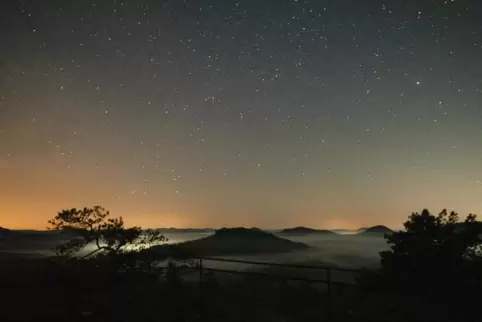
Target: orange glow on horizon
(23, 219)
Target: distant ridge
(185, 230)
(300, 231)
(232, 241)
(377, 230)
(3, 232)
(30, 233)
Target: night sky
(267, 113)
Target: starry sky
(211, 113)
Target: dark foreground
(97, 290)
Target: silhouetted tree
(433, 251)
(95, 226)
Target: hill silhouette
(185, 230)
(31, 241)
(377, 230)
(233, 241)
(4, 230)
(3, 233)
(34, 235)
(301, 231)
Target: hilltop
(376, 230)
(301, 231)
(4, 230)
(233, 241)
(3, 233)
(185, 230)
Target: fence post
(200, 272)
(328, 281)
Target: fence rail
(215, 259)
(279, 276)
(328, 270)
(328, 281)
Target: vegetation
(432, 272)
(435, 252)
(433, 269)
(94, 226)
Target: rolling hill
(232, 241)
(185, 230)
(302, 231)
(376, 230)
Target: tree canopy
(434, 250)
(108, 235)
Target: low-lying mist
(347, 251)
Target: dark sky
(273, 113)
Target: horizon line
(214, 228)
